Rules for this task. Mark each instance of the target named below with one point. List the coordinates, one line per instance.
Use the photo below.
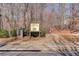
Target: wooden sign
(34, 27)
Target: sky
(56, 8)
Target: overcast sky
(56, 8)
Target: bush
(25, 32)
(13, 32)
(4, 33)
(35, 34)
(41, 33)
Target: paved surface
(51, 45)
(25, 54)
(52, 53)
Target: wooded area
(51, 17)
(51, 28)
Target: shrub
(41, 33)
(3, 33)
(13, 32)
(25, 32)
(35, 34)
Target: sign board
(34, 27)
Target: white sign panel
(34, 27)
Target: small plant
(13, 32)
(25, 32)
(41, 34)
(35, 34)
(3, 33)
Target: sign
(34, 27)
